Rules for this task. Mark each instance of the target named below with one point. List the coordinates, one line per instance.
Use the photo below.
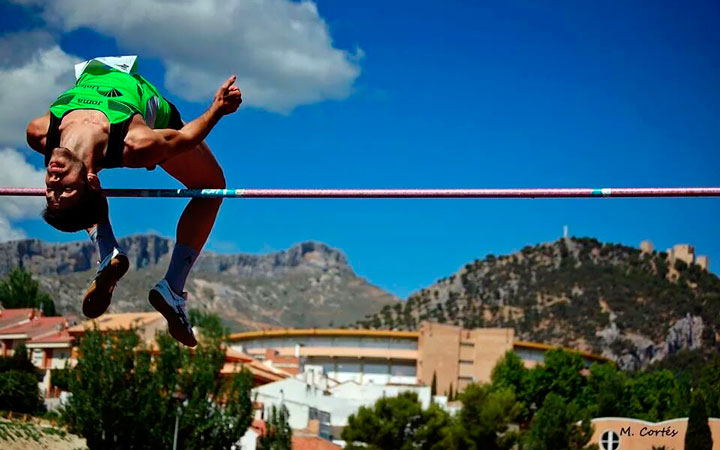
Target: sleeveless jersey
(116, 94)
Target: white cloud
(281, 50)
(33, 72)
(8, 233)
(15, 171)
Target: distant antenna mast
(565, 231)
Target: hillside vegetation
(630, 306)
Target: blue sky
(414, 94)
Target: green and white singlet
(119, 96)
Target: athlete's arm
(145, 147)
(37, 132)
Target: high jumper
(113, 117)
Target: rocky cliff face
(43, 258)
(630, 306)
(308, 285)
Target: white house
(330, 406)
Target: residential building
(48, 343)
(455, 355)
(323, 409)
(17, 326)
(363, 356)
(146, 324)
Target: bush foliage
(19, 390)
(126, 395)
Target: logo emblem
(111, 93)
(610, 440)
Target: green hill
(615, 300)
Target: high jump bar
(394, 193)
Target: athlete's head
(74, 199)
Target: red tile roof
(52, 338)
(118, 321)
(38, 326)
(312, 443)
(236, 361)
(13, 316)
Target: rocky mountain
(308, 285)
(631, 306)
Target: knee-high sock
(104, 238)
(182, 260)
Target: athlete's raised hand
(228, 97)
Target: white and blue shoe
(172, 307)
(98, 295)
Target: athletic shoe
(98, 295)
(172, 307)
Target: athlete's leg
(112, 266)
(195, 169)
(103, 237)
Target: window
(381, 368)
(320, 342)
(348, 365)
(405, 344)
(400, 369)
(321, 416)
(531, 355)
(37, 357)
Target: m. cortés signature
(666, 431)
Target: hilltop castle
(682, 252)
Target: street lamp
(181, 401)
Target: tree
(436, 421)
(19, 390)
(698, 436)
(710, 384)
(279, 433)
(20, 290)
(433, 385)
(60, 378)
(559, 374)
(563, 377)
(656, 396)
(558, 425)
(19, 361)
(124, 394)
(484, 419)
(395, 422)
(509, 372)
(209, 324)
(607, 392)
